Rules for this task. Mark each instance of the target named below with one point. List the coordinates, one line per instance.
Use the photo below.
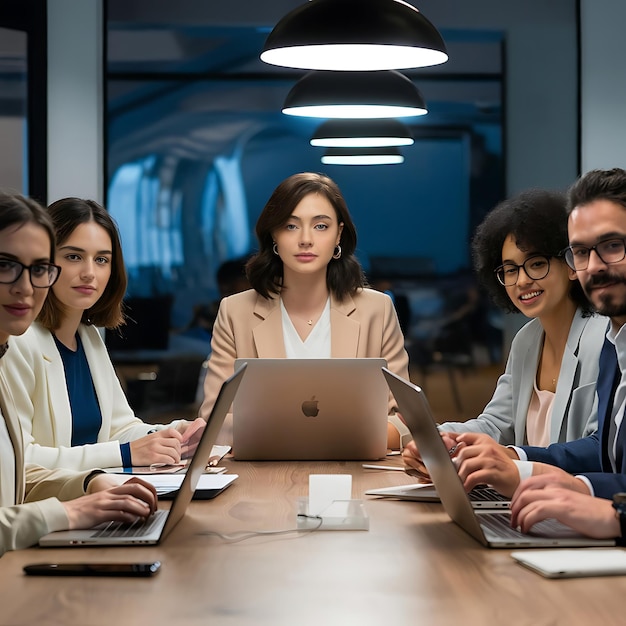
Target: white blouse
(316, 345)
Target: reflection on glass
(13, 95)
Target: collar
(3, 349)
(618, 339)
(265, 306)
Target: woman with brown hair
(35, 501)
(309, 297)
(73, 410)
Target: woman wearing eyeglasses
(35, 501)
(73, 410)
(547, 391)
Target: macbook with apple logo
(311, 409)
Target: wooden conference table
(413, 566)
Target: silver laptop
(311, 410)
(490, 528)
(159, 526)
(482, 497)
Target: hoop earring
(275, 248)
(337, 254)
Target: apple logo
(309, 407)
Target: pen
(384, 467)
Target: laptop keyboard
(139, 528)
(500, 524)
(486, 494)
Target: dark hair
(344, 276)
(598, 185)
(17, 209)
(66, 215)
(537, 220)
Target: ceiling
(186, 75)
(185, 78)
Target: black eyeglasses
(42, 275)
(609, 251)
(536, 268)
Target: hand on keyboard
(133, 500)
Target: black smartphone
(93, 569)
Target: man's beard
(608, 306)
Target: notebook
(159, 526)
(209, 486)
(311, 410)
(489, 528)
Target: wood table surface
(413, 566)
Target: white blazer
(21, 525)
(35, 373)
(574, 411)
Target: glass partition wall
(197, 142)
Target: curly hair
(537, 220)
(67, 214)
(344, 276)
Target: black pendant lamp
(362, 134)
(363, 156)
(354, 35)
(354, 95)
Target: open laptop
(311, 410)
(481, 497)
(159, 526)
(489, 528)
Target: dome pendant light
(362, 156)
(362, 134)
(354, 95)
(354, 35)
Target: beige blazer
(250, 326)
(21, 525)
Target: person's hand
(163, 446)
(556, 477)
(133, 500)
(413, 464)
(549, 476)
(480, 460)
(543, 497)
(104, 480)
(191, 432)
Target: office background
(163, 110)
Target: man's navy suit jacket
(589, 456)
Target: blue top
(86, 415)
